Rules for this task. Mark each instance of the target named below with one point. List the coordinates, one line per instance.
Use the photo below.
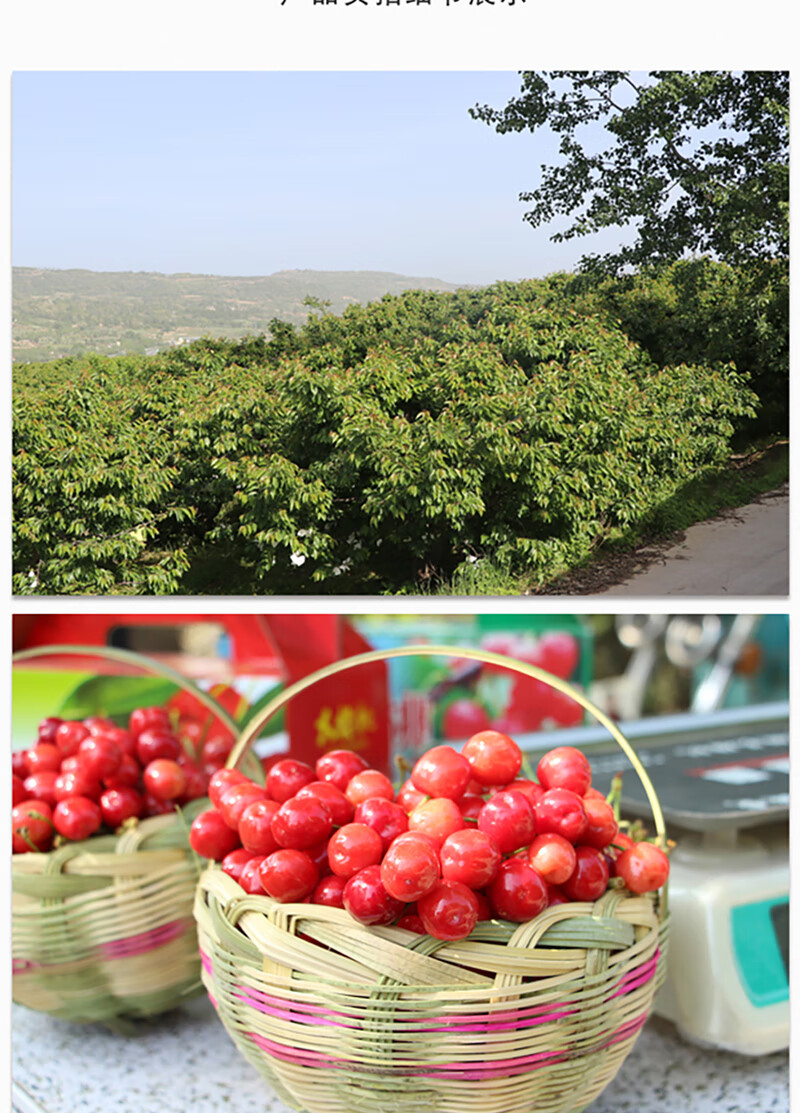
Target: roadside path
(740, 552)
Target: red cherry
(471, 857)
(196, 781)
(442, 771)
(531, 789)
(77, 817)
(44, 757)
(436, 818)
(508, 819)
(287, 777)
(494, 758)
(339, 766)
(215, 751)
(288, 875)
(565, 767)
(354, 847)
(46, 731)
(211, 837)
(552, 856)
(127, 774)
(154, 805)
(76, 783)
(484, 907)
(234, 863)
(470, 807)
(330, 891)
(18, 793)
(385, 816)
(236, 798)
(31, 826)
(410, 867)
(367, 899)
(301, 822)
(411, 922)
(365, 785)
(517, 893)
(68, 737)
(221, 780)
(589, 879)
(40, 786)
(119, 804)
(408, 797)
(19, 764)
(146, 718)
(644, 867)
(97, 723)
(164, 779)
(154, 743)
(560, 810)
(449, 911)
(255, 829)
(334, 800)
(122, 738)
(601, 823)
(319, 856)
(250, 875)
(101, 757)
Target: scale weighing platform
(722, 780)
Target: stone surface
(184, 1062)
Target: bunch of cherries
(464, 839)
(88, 776)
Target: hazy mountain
(69, 312)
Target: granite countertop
(185, 1061)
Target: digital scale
(722, 780)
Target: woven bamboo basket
(102, 930)
(339, 1017)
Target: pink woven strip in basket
(301, 1013)
(144, 941)
(119, 948)
(640, 976)
(500, 1068)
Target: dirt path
(738, 553)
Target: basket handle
(250, 733)
(137, 660)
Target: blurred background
(631, 666)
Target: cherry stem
(23, 834)
(614, 797)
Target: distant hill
(70, 312)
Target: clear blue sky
(250, 173)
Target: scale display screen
(736, 780)
(779, 914)
(760, 935)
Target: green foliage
(93, 490)
(697, 161)
(699, 311)
(369, 452)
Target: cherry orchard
(465, 838)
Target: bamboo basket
(102, 930)
(340, 1017)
